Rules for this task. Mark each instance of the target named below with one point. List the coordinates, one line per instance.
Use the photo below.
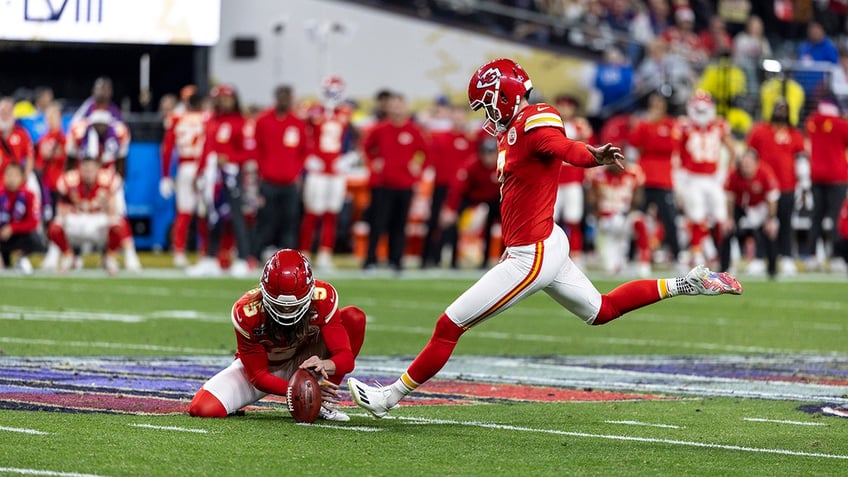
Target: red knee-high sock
(116, 234)
(56, 234)
(353, 320)
(697, 232)
(307, 230)
(180, 231)
(575, 237)
(437, 352)
(627, 297)
(643, 244)
(328, 231)
(205, 404)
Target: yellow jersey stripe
(542, 120)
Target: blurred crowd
(736, 157)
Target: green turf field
(683, 433)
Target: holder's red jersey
(700, 146)
(828, 141)
(777, 147)
(260, 347)
(615, 188)
(577, 129)
(83, 198)
(18, 148)
(50, 157)
(762, 187)
(530, 155)
(657, 141)
(326, 133)
(186, 135)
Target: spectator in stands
(816, 54)
(476, 183)
(281, 151)
(50, 155)
(396, 151)
(683, 40)
(19, 219)
(101, 99)
(735, 14)
(570, 201)
(89, 212)
(750, 47)
(781, 88)
(591, 30)
(615, 79)
(779, 145)
(839, 79)
(661, 69)
(652, 22)
(219, 174)
(715, 40)
(752, 195)
(450, 149)
(655, 137)
(828, 136)
(726, 83)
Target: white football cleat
(51, 258)
(372, 399)
(332, 414)
(240, 269)
(180, 260)
(66, 262)
(206, 267)
(111, 265)
(25, 266)
(131, 261)
(707, 282)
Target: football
(303, 396)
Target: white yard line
(170, 428)
(783, 421)
(24, 431)
(646, 424)
(344, 428)
(16, 470)
(110, 345)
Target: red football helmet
(498, 86)
(287, 285)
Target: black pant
(431, 253)
(27, 243)
(663, 199)
(451, 234)
(233, 196)
(827, 200)
(278, 221)
(388, 213)
(785, 206)
(765, 245)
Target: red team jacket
(225, 137)
(529, 159)
(21, 221)
(450, 150)
(396, 154)
(828, 140)
(50, 157)
(752, 192)
(657, 142)
(258, 349)
(281, 147)
(777, 148)
(19, 145)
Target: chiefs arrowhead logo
(488, 78)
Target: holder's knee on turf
(205, 404)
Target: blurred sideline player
(16, 146)
(290, 321)
(19, 219)
(50, 156)
(532, 146)
(328, 130)
(89, 212)
(186, 135)
(614, 195)
(702, 174)
(569, 206)
(752, 195)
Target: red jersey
(530, 155)
(281, 147)
(828, 140)
(84, 141)
(777, 147)
(50, 157)
(15, 147)
(762, 187)
(475, 181)
(657, 141)
(259, 347)
(577, 129)
(226, 139)
(700, 146)
(614, 189)
(326, 134)
(396, 154)
(186, 134)
(19, 210)
(449, 151)
(79, 197)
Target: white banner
(188, 22)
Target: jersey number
(704, 147)
(331, 137)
